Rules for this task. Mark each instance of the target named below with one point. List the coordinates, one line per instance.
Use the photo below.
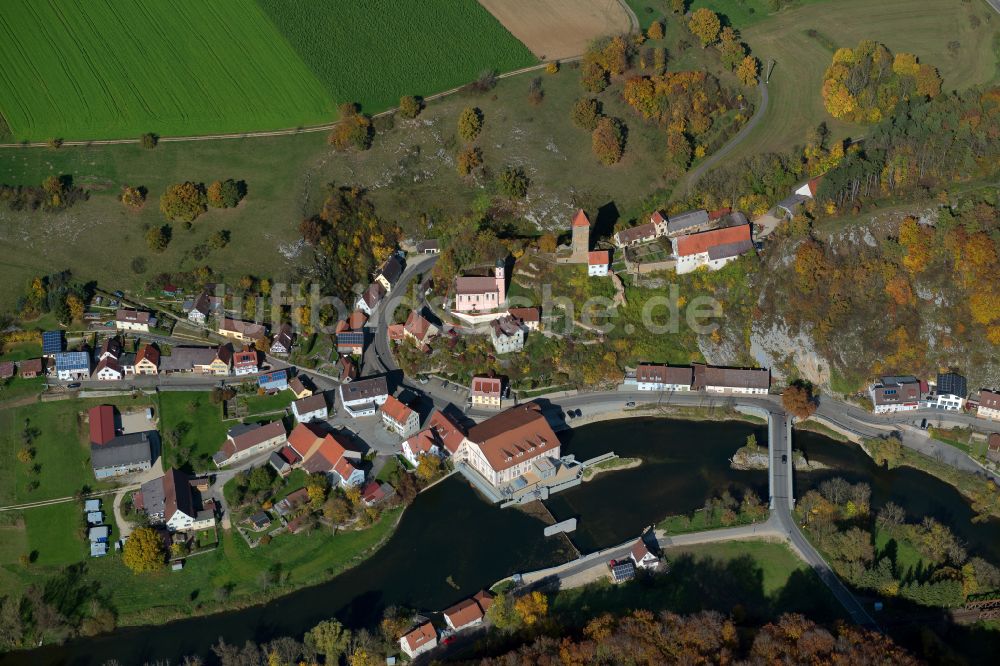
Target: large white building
(507, 335)
(896, 394)
(249, 439)
(507, 446)
(399, 418)
(713, 249)
(134, 320)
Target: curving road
(691, 179)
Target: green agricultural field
(81, 69)
(373, 52)
(75, 69)
(923, 27)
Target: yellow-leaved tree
(705, 25)
(144, 550)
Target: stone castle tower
(581, 237)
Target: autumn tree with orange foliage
(865, 84)
(608, 140)
(798, 399)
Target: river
(450, 542)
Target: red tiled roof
(598, 258)
(716, 214)
(417, 325)
(662, 374)
(303, 436)
(344, 467)
(396, 331)
(989, 399)
(29, 366)
(247, 329)
(488, 386)
(148, 353)
(396, 410)
(448, 433)
(701, 242)
(464, 613)
(524, 314)
(476, 285)
(581, 219)
(357, 320)
(102, 424)
(484, 599)
(506, 438)
(420, 636)
(245, 358)
(657, 217)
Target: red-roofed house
(325, 452)
(506, 446)
(374, 492)
(245, 362)
(249, 439)
(469, 612)
(147, 361)
(713, 249)
(419, 640)
(399, 418)
(486, 392)
(441, 436)
(598, 263)
(642, 557)
(6, 369)
(102, 424)
(810, 187)
(419, 329)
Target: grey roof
(310, 403)
(392, 269)
(692, 218)
(184, 358)
(898, 380)
(101, 532)
(726, 250)
(135, 447)
(92, 505)
(153, 496)
(792, 202)
(952, 383)
(364, 389)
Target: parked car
(784, 459)
(923, 424)
(74, 385)
(630, 403)
(119, 294)
(422, 380)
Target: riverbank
(677, 413)
(593, 471)
(297, 561)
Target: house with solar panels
(273, 381)
(351, 342)
(71, 366)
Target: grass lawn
(18, 387)
(120, 69)
(922, 27)
(700, 520)
(206, 432)
(389, 469)
(61, 449)
(54, 532)
(817, 427)
(905, 555)
(763, 578)
(265, 404)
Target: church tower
(500, 273)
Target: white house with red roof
(469, 612)
(245, 362)
(712, 249)
(399, 418)
(598, 263)
(441, 437)
(507, 446)
(642, 557)
(324, 452)
(486, 392)
(419, 640)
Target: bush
(468, 160)
(149, 140)
(219, 239)
(608, 140)
(513, 182)
(410, 106)
(655, 30)
(586, 113)
(183, 202)
(354, 131)
(225, 193)
(133, 198)
(535, 92)
(157, 238)
(470, 123)
(552, 67)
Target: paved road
(691, 179)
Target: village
(323, 456)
